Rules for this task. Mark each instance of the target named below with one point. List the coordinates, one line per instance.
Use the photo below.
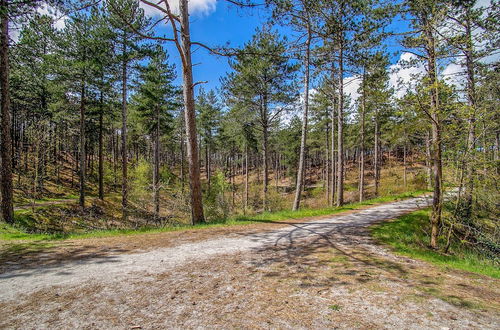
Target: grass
(335, 307)
(8, 232)
(407, 235)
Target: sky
(218, 23)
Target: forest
(249, 157)
(98, 111)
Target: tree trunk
(436, 138)
(207, 162)
(340, 134)
(327, 164)
(471, 98)
(376, 154)
(100, 151)
(404, 165)
(82, 147)
(182, 158)
(156, 169)
(246, 179)
(6, 139)
(362, 146)
(303, 140)
(265, 163)
(332, 146)
(124, 132)
(190, 117)
(428, 159)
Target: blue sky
(216, 28)
(216, 23)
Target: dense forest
(104, 110)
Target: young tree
(209, 116)
(103, 67)
(299, 15)
(154, 101)
(74, 48)
(346, 25)
(426, 16)
(130, 25)
(262, 82)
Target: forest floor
(324, 272)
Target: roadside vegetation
(29, 220)
(409, 236)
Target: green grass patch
(335, 307)
(25, 217)
(407, 235)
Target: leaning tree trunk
(303, 140)
(6, 145)
(190, 117)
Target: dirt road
(323, 273)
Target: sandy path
(324, 273)
(115, 267)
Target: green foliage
(216, 204)
(409, 236)
(141, 182)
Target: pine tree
(155, 100)
(263, 83)
(130, 23)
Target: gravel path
(324, 273)
(118, 267)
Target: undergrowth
(408, 235)
(20, 231)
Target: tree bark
(362, 146)
(471, 98)
(6, 139)
(82, 146)
(428, 159)
(246, 179)
(124, 132)
(327, 164)
(300, 173)
(265, 165)
(404, 165)
(340, 133)
(156, 168)
(376, 154)
(100, 150)
(190, 117)
(436, 137)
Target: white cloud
(203, 7)
(351, 86)
(405, 73)
(453, 74)
(58, 17)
